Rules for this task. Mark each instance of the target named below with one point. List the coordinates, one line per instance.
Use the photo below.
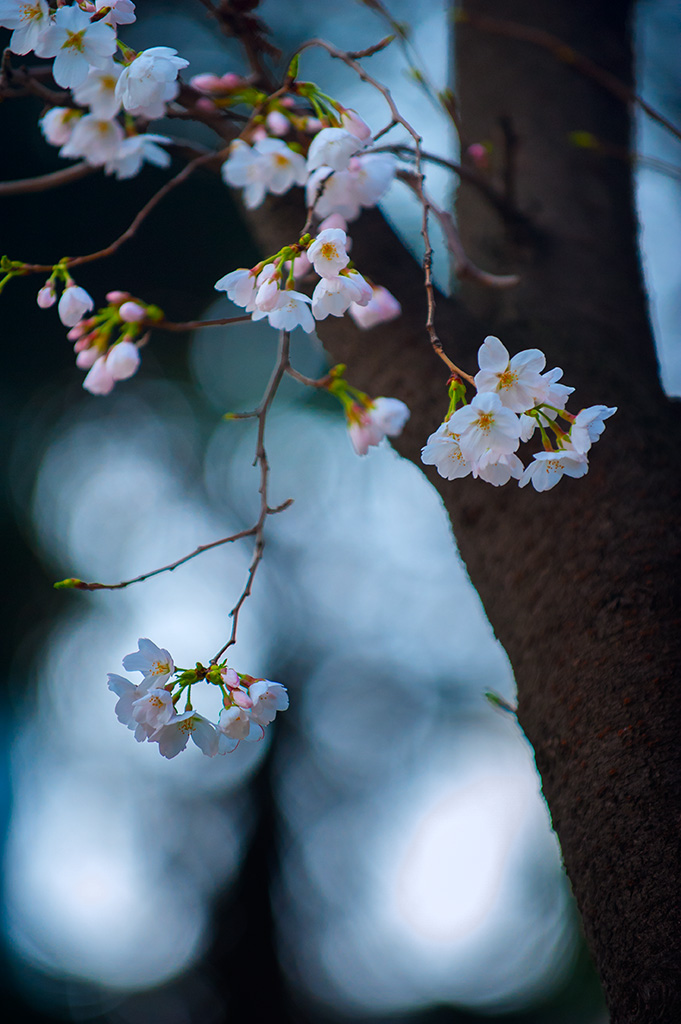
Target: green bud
(292, 72)
(70, 584)
(497, 701)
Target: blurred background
(386, 854)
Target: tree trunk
(579, 583)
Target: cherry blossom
(549, 467)
(128, 694)
(235, 724)
(155, 663)
(588, 426)
(241, 287)
(498, 469)
(335, 295)
(174, 736)
(385, 417)
(98, 90)
(517, 381)
(76, 44)
(290, 310)
(268, 166)
(96, 140)
(153, 709)
(122, 12)
(328, 253)
(485, 424)
(149, 81)
(381, 308)
(332, 147)
(123, 360)
(28, 18)
(268, 698)
(365, 181)
(443, 451)
(553, 398)
(136, 150)
(74, 304)
(58, 123)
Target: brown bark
(580, 583)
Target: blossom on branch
(76, 43)
(485, 424)
(549, 467)
(369, 424)
(516, 381)
(74, 304)
(366, 180)
(268, 166)
(149, 82)
(332, 147)
(381, 308)
(29, 19)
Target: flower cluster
(369, 420)
(338, 176)
(514, 398)
(267, 290)
(82, 40)
(108, 343)
(149, 708)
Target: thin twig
(464, 269)
(194, 325)
(167, 568)
(418, 188)
(265, 510)
(44, 182)
(109, 250)
(566, 55)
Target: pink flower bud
(353, 123)
(277, 123)
(123, 360)
(99, 381)
(231, 81)
(241, 699)
(87, 358)
(206, 83)
(206, 105)
(47, 296)
(115, 297)
(132, 312)
(381, 309)
(258, 134)
(479, 155)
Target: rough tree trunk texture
(580, 583)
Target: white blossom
(381, 308)
(76, 43)
(549, 467)
(173, 737)
(153, 709)
(58, 123)
(553, 396)
(235, 723)
(28, 18)
(155, 663)
(498, 469)
(74, 304)
(98, 90)
(443, 451)
(328, 253)
(268, 698)
(365, 181)
(99, 380)
(588, 426)
(149, 81)
(332, 147)
(335, 295)
(136, 150)
(517, 381)
(123, 360)
(291, 310)
(96, 140)
(241, 287)
(485, 424)
(384, 418)
(128, 693)
(122, 12)
(268, 166)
